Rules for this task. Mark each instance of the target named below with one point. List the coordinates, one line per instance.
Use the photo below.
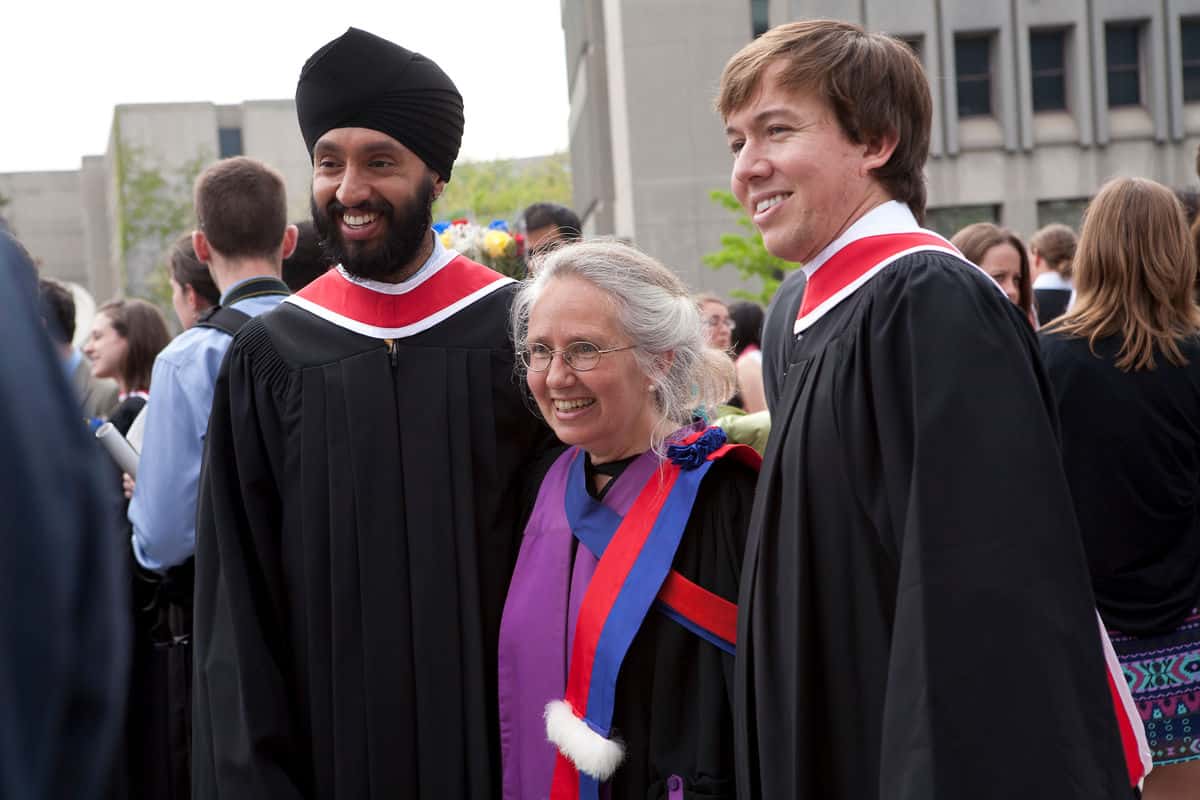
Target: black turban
(362, 81)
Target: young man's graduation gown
(358, 522)
(916, 619)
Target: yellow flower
(497, 243)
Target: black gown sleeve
(674, 695)
(242, 725)
(777, 338)
(996, 679)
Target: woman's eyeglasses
(579, 356)
(712, 322)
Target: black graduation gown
(777, 335)
(357, 526)
(915, 617)
(674, 696)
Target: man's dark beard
(380, 261)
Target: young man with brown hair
(916, 618)
(242, 236)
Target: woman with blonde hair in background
(1124, 366)
(1051, 251)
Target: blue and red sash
(634, 573)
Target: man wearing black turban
(360, 502)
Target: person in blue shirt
(243, 236)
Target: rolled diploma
(121, 451)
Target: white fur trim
(589, 751)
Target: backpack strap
(223, 318)
(228, 319)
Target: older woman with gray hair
(618, 634)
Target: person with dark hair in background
(64, 631)
(308, 261)
(241, 238)
(1002, 255)
(193, 291)
(547, 225)
(98, 397)
(906, 564)
(747, 353)
(126, 337)
(1124, 366)
(1051, 250)
(360, 504)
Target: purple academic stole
(635, 551)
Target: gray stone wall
(663, 143)
(43, 211)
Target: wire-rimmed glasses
(579, 356)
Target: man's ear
(202, 248)
(439, 186)
(291, 236)
(878, 152)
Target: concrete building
(646, 146)
(1036, 104)
(107, 225)
(42, 208)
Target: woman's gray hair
(655, 310)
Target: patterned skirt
(1164, 677)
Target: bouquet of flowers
(493, 246)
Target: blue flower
(692, 456)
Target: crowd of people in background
(929, 526)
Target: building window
(915, 43)
(1189, 39)
(1121, 61)
(758, 17)
(973, 67)
(951, 219)
(1068, 212)
(229, 140)
(1047, 57)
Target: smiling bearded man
(358, 512)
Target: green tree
(485, 190)
(154, 206)
(747, 253)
